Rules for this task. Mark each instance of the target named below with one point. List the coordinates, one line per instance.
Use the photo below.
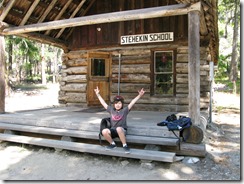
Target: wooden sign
(147, 38)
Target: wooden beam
(194, 66)
(4, 25)
(189, 149)
(72, 16)
(83, 13)
(39, 37)
(138, 14)
(49, 8)
(60, 14)
(29, 12)
(7, 9)
(45, 39)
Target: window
(98, 67)
(163, 73)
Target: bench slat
(89, 134)
(153, 140)
(90, 148)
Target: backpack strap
(183, 138)
(175, 134)
(100, 139)
(187, 134)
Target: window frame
(94, 72)
(153, 73)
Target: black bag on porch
(105, 123)
(174, 124)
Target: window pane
(163, 62)
(163, 73)
(164, 84)
(98, 67)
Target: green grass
(29, 87)
(229, 84)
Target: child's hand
(97, 90)
(141, 92)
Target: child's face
(118, 105)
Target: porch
(75, 128)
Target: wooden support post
(2, 75)
(194, 66)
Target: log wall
(135, 74)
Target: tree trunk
(10, 58)
(44, 80)
(2, 75)
(233, 71)
(55, 59)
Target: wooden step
(91, 148)
(89, 134)
(82, 124)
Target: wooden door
(99, 64)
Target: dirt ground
(27, 162)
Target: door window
(98, 67)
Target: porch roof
(52, 22)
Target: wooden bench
(141, 135)
(85, 139)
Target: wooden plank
(61, 12)
(72, 15)
(48, 9)
(89, 134)
(170, 10)
(6, 9)
(152, 140)
(29, 12)
(91, 148)
(85, 122)
(192, 149)
(84, 12)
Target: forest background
(29, 64)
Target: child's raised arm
(141, 93)
(104, 104)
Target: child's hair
(118, 98)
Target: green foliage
(228, 10)
(26, 47)
(33, 79)
(24, 57)
(223, 67)
(49, 77)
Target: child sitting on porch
(118, 116)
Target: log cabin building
(121, 46)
